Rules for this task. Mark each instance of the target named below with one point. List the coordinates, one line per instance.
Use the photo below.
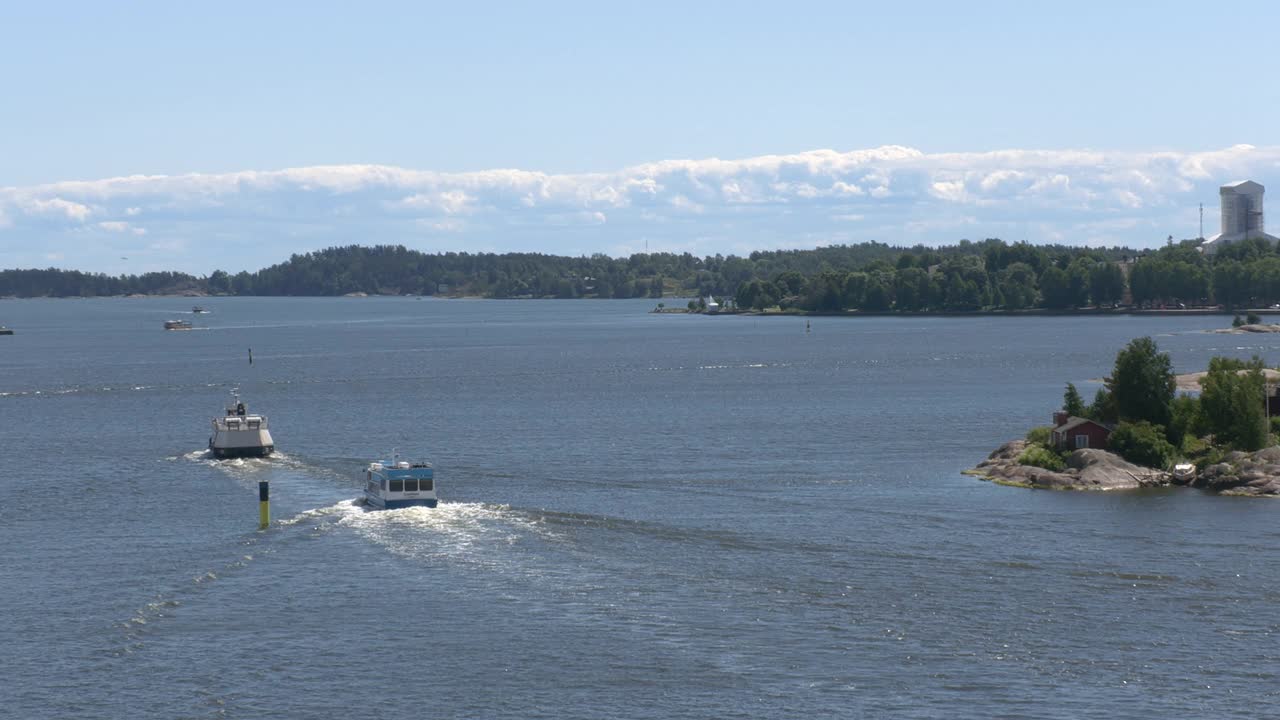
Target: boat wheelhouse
(177, 324)
(399, 484)
(239, 433)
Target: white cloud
(450, 202)
(892, 194)
(951, 190)
(994, 180)
(56, 207)
(120, 226)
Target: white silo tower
(1241, 215)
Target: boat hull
(226, 453)
(378, 503)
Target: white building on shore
(1241, 216)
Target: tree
(1079, 273)
(1141, 443)
(791, 282)
(1142, 384)
(1056, 287)
(747, 294)
(1232, 402)
(1185, 419)
(855, 289)
(877, 295)
(911, 288)
(1230, 283)
(1018, 283)
(219, 282)
(1106, 283)
(1102, 409)
(825, 292)
(1072, 403)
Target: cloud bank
(900, 195)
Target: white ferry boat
(240, 434)
(398, 484)
(177, 324)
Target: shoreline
(1034, 312)
(677, 310)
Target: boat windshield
(411, 485)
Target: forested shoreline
(967, 276)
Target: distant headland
(990, 276)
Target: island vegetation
(1209, 435)
(868, 277)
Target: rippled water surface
(643, 516)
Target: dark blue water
(643, 516)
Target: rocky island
(1086, 469)
(1248, 328)
(1139, 433)
(1240, 473)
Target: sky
(145, 136)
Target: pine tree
(1072, 402)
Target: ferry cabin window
(397, 486)
(411, 485)
(425, 485)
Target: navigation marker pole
(264, 504)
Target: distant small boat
(177, 324)
(399, 484)
(1183, 472)
(5, 331)
(197, 309)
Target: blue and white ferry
(398, 484)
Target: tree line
(967, 276)
(993, 275)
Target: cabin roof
(1077, 422)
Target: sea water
(642, 516)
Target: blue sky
(1087, 123)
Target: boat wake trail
(337, 511)
(460, 533)
(168, 603)
(242, 466)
